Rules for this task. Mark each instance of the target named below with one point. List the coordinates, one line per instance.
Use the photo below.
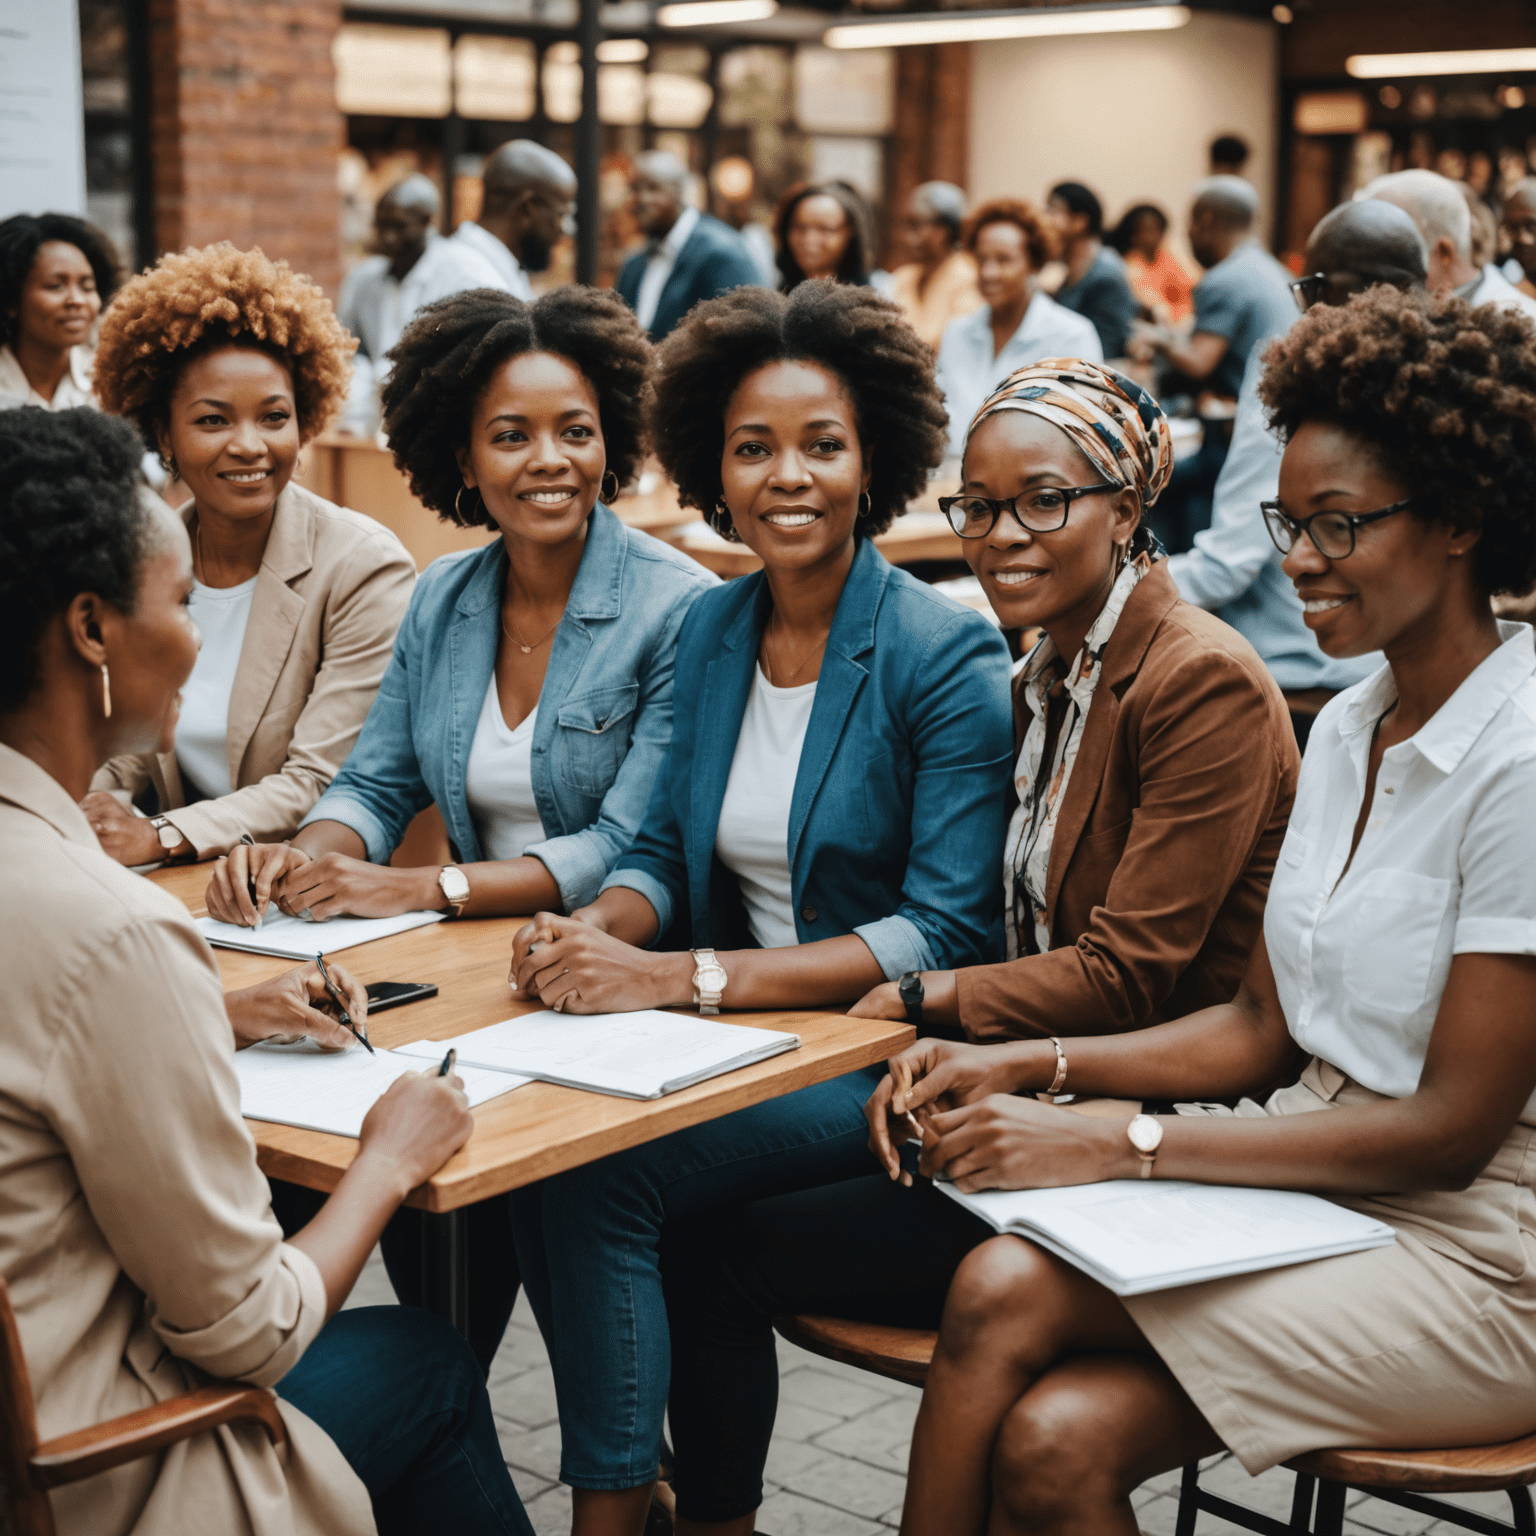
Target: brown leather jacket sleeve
(1212, 763)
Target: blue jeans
(589, 1241)
(399, 1392)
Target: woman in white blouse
(1394, 991)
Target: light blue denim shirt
(605, 710)
(901, 795)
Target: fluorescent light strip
(984, 26)
(1470, 61)
(714, 13)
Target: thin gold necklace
(778, 644)
(522, 644)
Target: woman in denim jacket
(830, 816)
(530, 691)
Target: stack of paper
(332, 1091)
(634, 1055)
(295, 938)
(1135, 1235)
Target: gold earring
(106, 693)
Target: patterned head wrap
(1117, 424)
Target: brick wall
(932, 139)
(244, 128)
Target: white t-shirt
(202, 753)
(498, 782)
(752, 838)
(1443, 867)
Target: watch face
(1146, 1133)
(454, 884)
(169, 836)
(711, 978)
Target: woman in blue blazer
(530, 690)
(830, 816)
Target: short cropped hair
(448, 353)
(200, 301)
(24, 234)
(858, 337)
(1040, 241)
(70, 522)
(1443, 393)
(1078, 199)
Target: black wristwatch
(911, 989)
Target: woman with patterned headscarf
(1155, 771)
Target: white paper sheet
(293, 938)
(319, 1091)
(639, 1055)
(1135, 1235)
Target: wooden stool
(28, 1470)
(903, 1354)
(1406, 1478)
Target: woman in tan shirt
(136, 1241)
(229, 363)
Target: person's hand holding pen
(243, 884)
(296, 1004)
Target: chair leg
(1330, 1508)
(1301, 1502)
(1520, 1507)
(1189, 1501)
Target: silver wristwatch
(709, 981)
(454, 884)
(171, 837)
(1146, 1136)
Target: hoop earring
(106, 693)
(725, 525)
(169, 466)
(603, 491)
(866, 505)
(458, 511)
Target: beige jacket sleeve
(141, 1089)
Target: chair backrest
(24, 1508)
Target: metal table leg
(445, 1266)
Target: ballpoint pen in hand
(346, 1018)
(250, 880)
(448, 1062)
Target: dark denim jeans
(588, 1245)
(401, 1395)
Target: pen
(448, 1062)
(250, 880)
(346, 1018)
(912, 1121)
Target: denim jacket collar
(599, 577)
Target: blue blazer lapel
(471, 661)
(842, 676)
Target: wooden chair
(28, 1470)
(1406, 1478)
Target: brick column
(244, 128)
(932, 138)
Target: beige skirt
(1428, 1344)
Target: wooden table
(535, 1131)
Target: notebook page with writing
(640, 1055)
(1134, 1235)
(320, 1091)
(294, 938)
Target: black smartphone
(392, 994)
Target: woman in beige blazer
(136, 1239)
(229, 363)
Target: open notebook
(332, 1091)
(294, 938)
(1136, 1235)
(634, 1055)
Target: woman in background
(230, 363)
(823, 230)
(56, 272)
(1158, 277)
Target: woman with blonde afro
(229, 363)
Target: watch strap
(161, 824)
(707, 994)
(910, 990)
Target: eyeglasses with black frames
(1332, 533)
(1042, 510)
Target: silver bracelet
(1061, 1067)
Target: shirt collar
(1084, 673)
(1446, 738)
(677, 236)
(34, 789)
(486, 244)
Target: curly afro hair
(1039, 241)
(450, 350)
(70, 522)
(190, 304)
(1444, 394)
(853, 333)
(24, 234)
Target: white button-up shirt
(72, 390)
(1444, 867)
(659, 265)
(969, 371)
(485, 245)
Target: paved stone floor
(839, 1454)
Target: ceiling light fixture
(715, 13)
(984, 26)
(622, 50)
(1470, 61)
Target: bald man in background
(937, 283)
(688, 256)
(1520, 226)
(530, 193)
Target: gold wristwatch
(709, 981)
